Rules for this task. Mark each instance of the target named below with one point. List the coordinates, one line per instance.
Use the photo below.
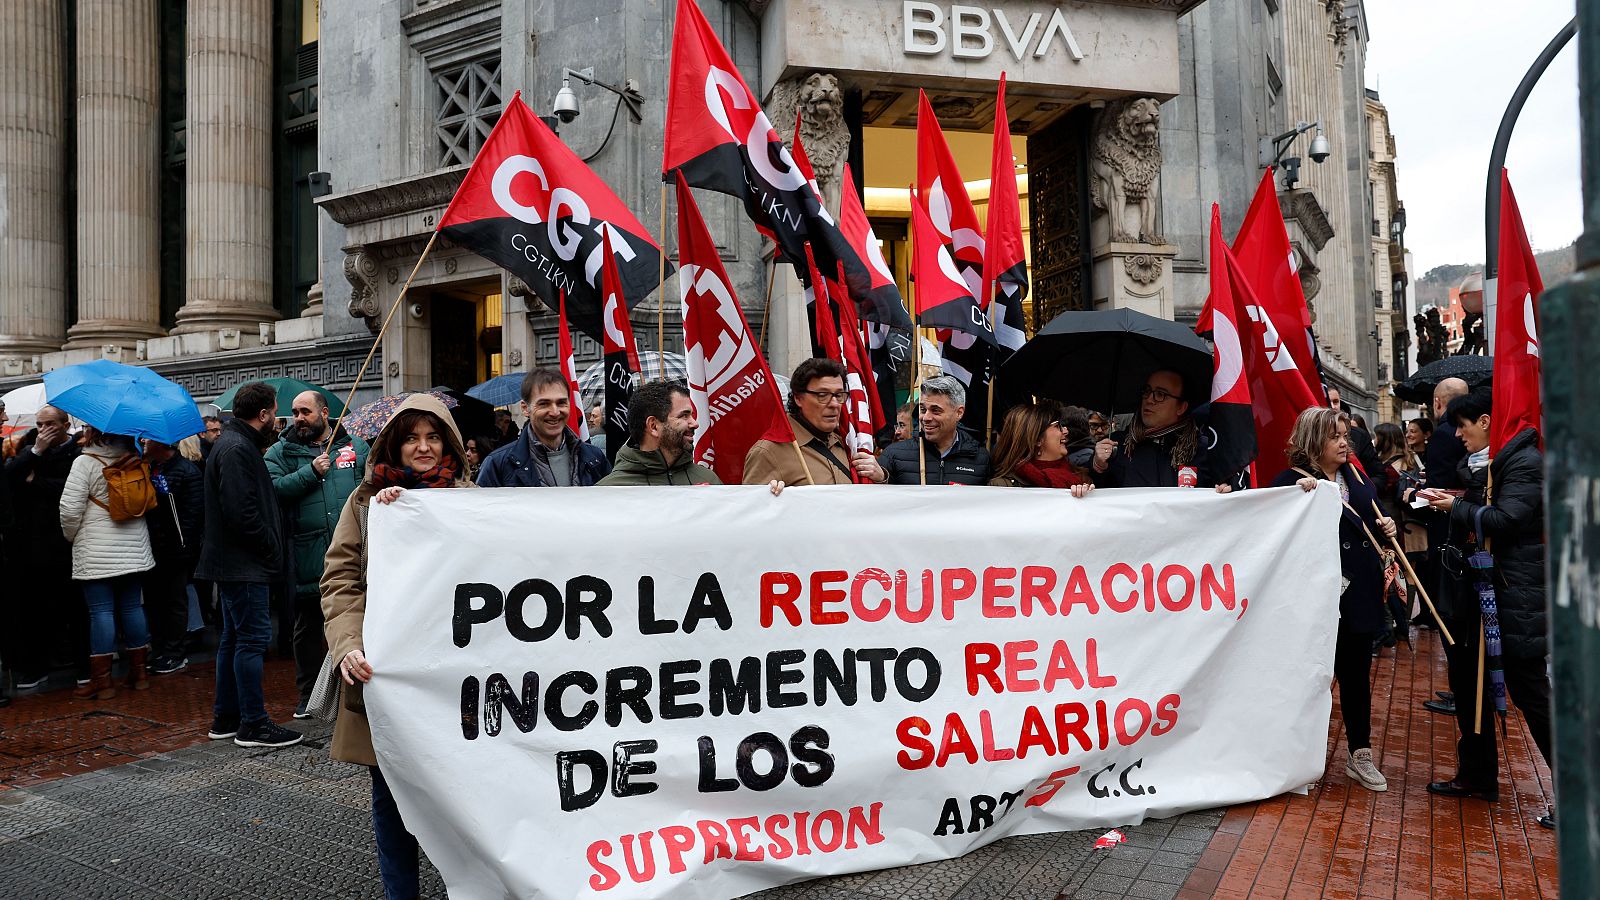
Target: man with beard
(660, 448)
(1161, 448)
(547, 453)
(312, 479)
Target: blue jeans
(397, 849)
(112, 602)
(246, 631)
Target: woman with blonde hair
(1032, 450)
(1319, 450)
(418, 448)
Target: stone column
(33, 298)
(228, 281)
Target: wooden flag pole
(766, 310)
(378, 341)
(1406, 563)
(1477, 712)
(988, 415)
(661, 298)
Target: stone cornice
(1302, 206)
(1178, 7)
(394, 198)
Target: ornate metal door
(1058, 200)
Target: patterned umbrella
(592, 383)
(1476, 371)
(501, 390)
(367, 420)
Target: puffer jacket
(344, 587)
(966, 463)
(101, 548)
(635, 467)
(1513, 522)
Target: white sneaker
(1361, 767)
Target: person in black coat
(1503, 512)
(244, 554)
(44, 602)
(1319, 450)
(1162, 442)
(176, 529)
(1441, 460)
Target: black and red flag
(531, 206)
(1005, 260)
(857, 230)
(942, 296)
(735, 397)
(867, 406)
(621, 356)
(1230, 435)
(718, 138)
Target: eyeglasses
(824, 396)
(1160, 396)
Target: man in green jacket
(660, 448)
(312, 482)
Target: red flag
(569, 368)
(1264, 255)
(1516, 402)
(943, 298)
(858, 232)
(860, 362)
(531, 206)
(944, 196)
(1276, 393)
(1005, 260)
(621, 356)
(826, 330)
(718, 138)
(735, 397)
(1230, 433)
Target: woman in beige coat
(418, 448)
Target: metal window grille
(469, 105)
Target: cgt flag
(718, 138)
(569, 370)
(1231, 425)
(943, 298)
(734, 395)
(1264, 255)
(857, 229)
(621, 356)
(1517, 404)
(1005, 261)
(531, 206)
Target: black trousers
(1352, 668)
(166, 606)
(309, 646)
(1527, 686)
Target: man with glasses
(948, 456)
(1161, 449)
(816, 413)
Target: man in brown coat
(816, 414)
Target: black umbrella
(1100, 359)
(1476, 371)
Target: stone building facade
(255, 180)
(1391, 278)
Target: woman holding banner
(1319, 450)
(1032, 450)
(418, 448)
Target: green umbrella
(288, 389)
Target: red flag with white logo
(942, 296)
(735, 397)
(866, 407)
(1230, 434)
(858, 232)
(718, 138)
(1517, 404)
(1005, 259)
(531, 206)
(621, 356)
(1268, 262)
(944, 196)
(569, 368)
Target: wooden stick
(378, 341)
(766, 312)
(988, 416)
(1477, 712)
(661, 298)
(1406, 564)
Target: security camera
(416, 309)
(1319, 149)
(566, 105)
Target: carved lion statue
(1126, 165)
(820, 102)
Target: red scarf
(441, 476)
(1056, 473)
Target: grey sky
(1446, 70)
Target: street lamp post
(1569, 329)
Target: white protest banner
(701, 692)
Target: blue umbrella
(120, 399)
(501, 390)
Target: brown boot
(99, 686)
(137, 678)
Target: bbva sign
(929, 32)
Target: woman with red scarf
(419, 448)
(1032, 451)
